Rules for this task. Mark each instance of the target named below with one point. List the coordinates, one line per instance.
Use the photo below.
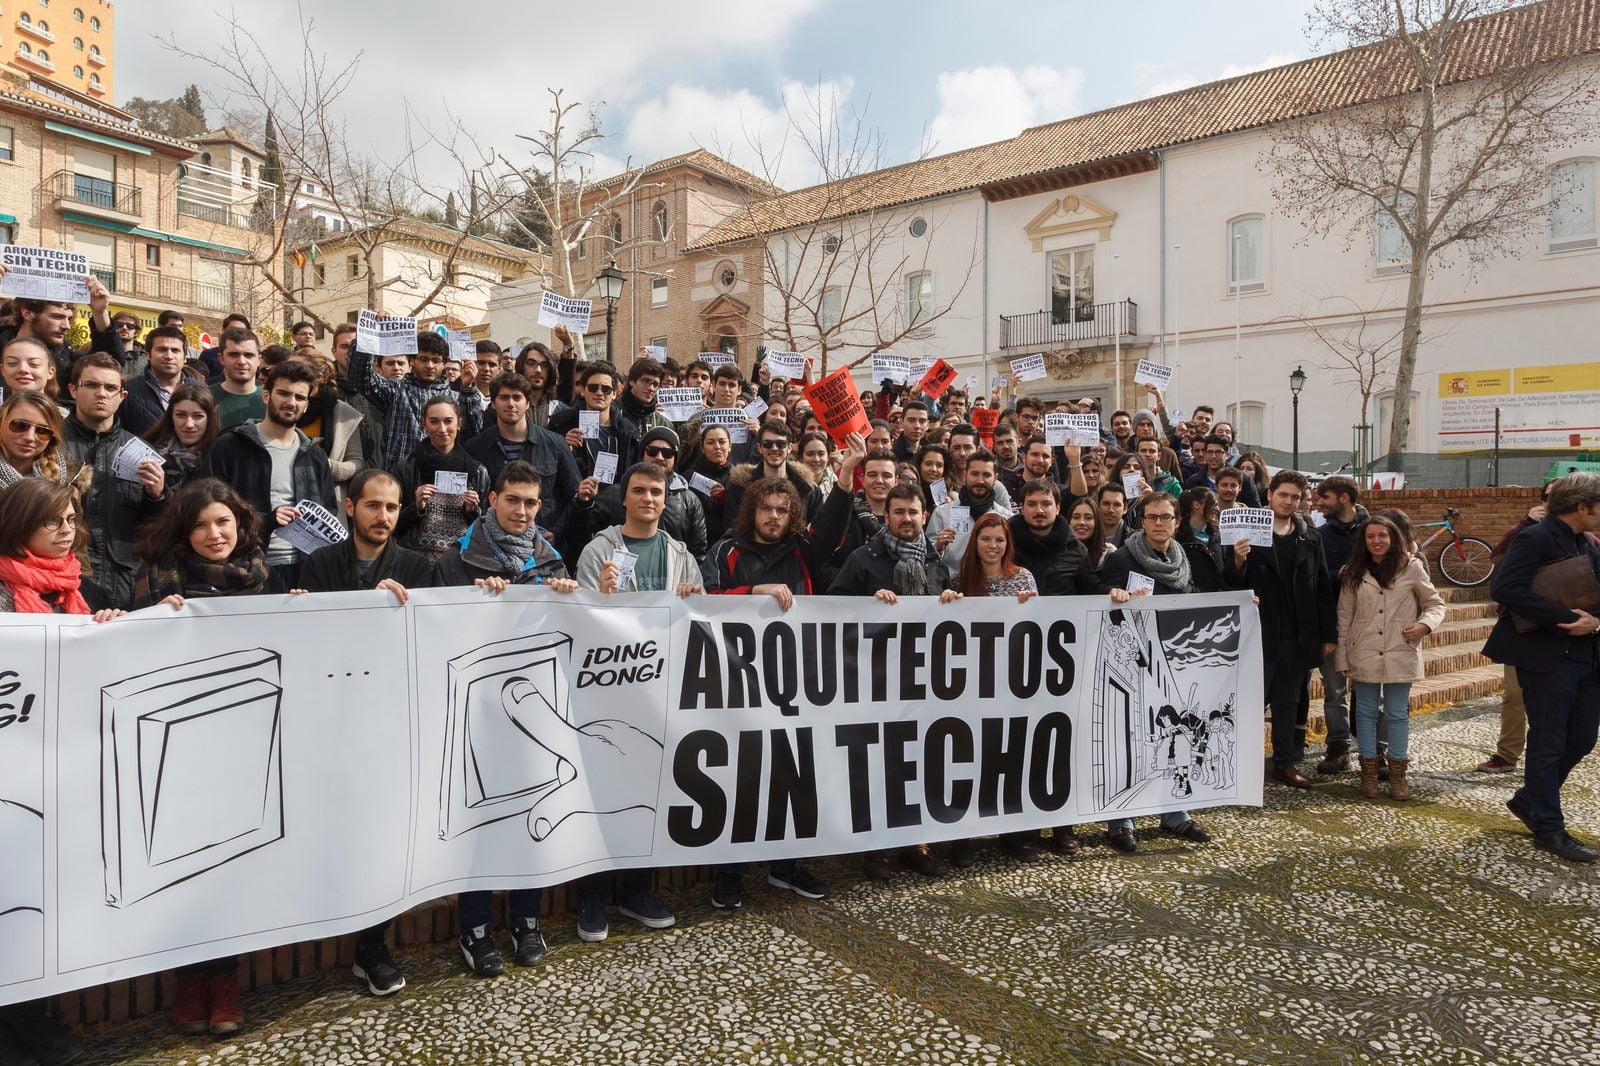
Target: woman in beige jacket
(1386, 607)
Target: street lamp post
(608, 283)
(1297, 381)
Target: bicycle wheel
(1465, 563)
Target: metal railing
(1094, 322)
(95, 192)
(148, 285)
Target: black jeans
(735, 870)
(1563, 718)
(473, 908)
(281, 578)
(629, 882)
(1286, 685)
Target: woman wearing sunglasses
(30, 439)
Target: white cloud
(1156, 79)
(983, 104)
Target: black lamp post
(1297, 381)
(609, 284)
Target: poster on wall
(1542, 408)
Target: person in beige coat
(1386, 607)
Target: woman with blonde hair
(30, 439)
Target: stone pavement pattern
(1321, 929)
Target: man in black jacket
(598, 506)
(1343, 520)
(151, 391)
(113, 507)
(879, 474)
(369, 558)
(1044, 545)
(1557, 663)
(512, 436)
(48, 322)
(1299, 625)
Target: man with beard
(273, 465)
(514, 437)
(48, 322)
(977, 495)
(1008, 460)
(1043, 544)
(369, 558)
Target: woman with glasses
(442, 487)
(30, 439)
(205, 544)
(39, 574)
(596, 391)
(185, 433)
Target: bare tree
(1453, 157)
(1359, 350)
(373, 198)
(835, 262)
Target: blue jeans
(1392, 701)
(1170, 820)
(1563, 718)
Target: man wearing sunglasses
(773, 444)
(596, 391)
(598, 506)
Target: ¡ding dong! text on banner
(537, 737)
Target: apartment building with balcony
(79, 174)
(69, 41)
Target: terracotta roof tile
(699, 158)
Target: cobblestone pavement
(1321, 929)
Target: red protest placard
(940, 376)
(984, 419)
(834, 400)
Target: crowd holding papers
(45, 274)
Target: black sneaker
(1122, 840)
(592, 926)
(646, 909)
(1190, 831)
(728, 893)
(482, 953)
(376, 967)
(528, 941)
(963, 853)
(1519, 807)
(1024, 846)
(799, 882)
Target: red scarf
(30, 575)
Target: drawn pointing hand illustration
(620, 762)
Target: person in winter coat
(151, 390)
(1044, 544)
(1513, 712)
(433, 517)
(977, 494)
(597, 388)
(1200, 540)
(1387, 606)
(876, 474)
(512, 435)
(1343, 521)
(185, 432)
(402, 401)
(598, 506)
(333, 425)
(773, 442)
(708, 476)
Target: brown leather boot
(1397, 780)
(1369, 777)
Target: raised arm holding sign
(938, 379)
(835, 400)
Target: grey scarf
(1170, 568)
(10, 475)
(911, 565)
(511, 549)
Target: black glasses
(51, 525)
(599, 389)
(127, 325)
(773, 445)
(22, 425)
(660, 453)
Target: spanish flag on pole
(299, 258)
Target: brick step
(1451, 594)
(1434, 692)
(1467, 631)
(1436, 662)
(1460, 611)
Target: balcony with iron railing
(94, 196)
(180, 292)
(1084, 325)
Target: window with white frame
(6, 143)
(1247, 256)
(1386, 418)
(1391, 252)
(831, 309)
(1249, 421)
(658, 292)
(919, 296)
(1071, 279)
(1572, 206)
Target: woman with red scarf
(39, 574)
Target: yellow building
(70, 42)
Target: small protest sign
(835, 400)
(984, 419)
(44, 274)
(790, 366)
(589, 422)
(1250, 524)
(1028, 368)
(605, 467)
(755, 408)
(314, 528)
(702, 484)
(1148, 373)
(1130, 486)
(451, 482)
(716, 359)
(625, 561)
(558, 310)
(972, 382)
(656, 353)
(960, 518)
(462, 347)
(731, 419)
(1138, 583)
(1083, 430)
(939, 490)
(680, 405)
(125, 464)
(998, 381)
(380, 337)
(940, 376)
(889, 367)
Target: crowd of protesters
(481, 472)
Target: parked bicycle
(1464, 561)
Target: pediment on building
(725, 306)
(1070, 214)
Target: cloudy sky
(668, 76)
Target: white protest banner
(605, 467)
(44, 274)
(314, 527)
(626, 561)
(557, 310)
(960, 518)
(1252, 525)
(887, 366)
(680, 405)
(1130, 486)
(451, 482)
(717, 359)
(656, 353)
(125, 464)
(462, 346)
(379, 337)
(730, 419)
(1148, 373)
(790, 366)
(1138, 583)
(141, 834)
(1028, 368)
(589, 423)
(1061, 429)
(755, 408)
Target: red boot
(227, 1014)
(191, 1013)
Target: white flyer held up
(716, 359)
(1250, 524)
(451, 482)
(1130, 486)
(1138, 583)
(887, 366)
(1028, 368)
(702, 484)
(45, 274)
(314, 528)
(462, 347)
(680, 405)
(589, 422)
(790, 366)
(730, 419)
(960, 518)
(625, 561)
(125, 464)
(1148, 373)
(939, 491)
(755, 408)
(656, 353)
(395, 335)
(605, 467)
(557, 310)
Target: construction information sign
(1542, 408)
